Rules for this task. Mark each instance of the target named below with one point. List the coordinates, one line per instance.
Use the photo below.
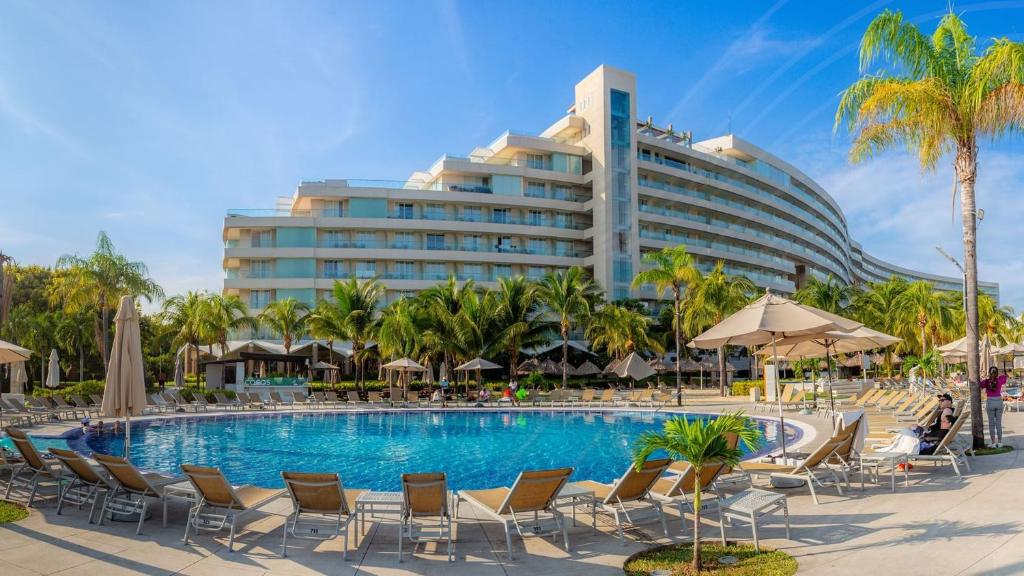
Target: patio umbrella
(428, 376)
(13, 353)
(633, 366)
(53, 371)
(569, 368)
(18, 377)
(610, 368)
(769, 319)
(404, 366)
(1011, 349)
(529, 366)
(442, 374)
(124, 395)
(588, 368)
(179, 372)
(479, 365)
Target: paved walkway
(939, 525)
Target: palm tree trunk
(722, 374)
(924, 343)
(565, 356)
(696, 520)
(679, 364)
(81, 363)
(966, 171)
(105, 329)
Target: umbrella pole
(127, 436)
(778, 397)
(831, 396)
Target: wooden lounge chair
(37, 470)
(220, 504)
(425, 496)
(607, 397)
(132, 489)
(533, 492)
(631, 492)
(811, 470)
(82, 484)
(321, 508)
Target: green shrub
(84, 389)
(743, 387)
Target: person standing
(444, 392)
(993, 387)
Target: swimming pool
(371, 450)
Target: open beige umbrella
(13, 353)
(53, 371)
(404, 366)
(124, 395)
(767, 320)
(478, 365)
(633, 366)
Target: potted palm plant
(701, 442)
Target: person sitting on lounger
(437, 396)
(943, 421)
(484, 396)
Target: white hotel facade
(597, 189)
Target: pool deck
(937, 525)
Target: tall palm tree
(701, 442)
(225, 314)
(619, 331)
(186, 313)
(920, 304)
(520, 317)
(829, 295)
(74, 332)
(287, 319)
(356, 304)
(939, 96)
(444, 307)
(571, 296)
(324, 322)
(98, 281)
(999, 323)
(673, 269)
(710, 299)
(878, 306)
(399, 330)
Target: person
(484, 396)
(943, 421)
(162, 380)
(513, 387)
(437, 396)
(444, 392)
(993, 387)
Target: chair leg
(618, 526)
(401, 536)
(95, 500)
(344, 544)
(35, 486)
(721, 525)
(508, 538)
(60, 499)
(284, 539)
(810, 484)
(785, 512)
(450, 558)
(753, 527)
(142, 515)
(188, 522)
(231, 535)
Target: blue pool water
(371, 450)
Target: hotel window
(499, 215)
(645, 155)
(261, 269)
(262, 238)
(502, 271)
(562, 192)
(403, 240)
(333, 268)
(535, 189)
(535, 161)
(563, 248)
(259, 298)
(536, 218)
(471, 242)
(473, 271)
(435, 271)
(403, 211)
(504, 244)
(366, 239)
(435, 241)
(366, 269)
(535, 272)
(563, 220)
(435, 212)
(538, 246)
(403, 270)
(332, 208)
(472, 214)
(332, 239)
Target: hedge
(742, 387)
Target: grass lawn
(990, 451)
(676, 559)
(10, 512)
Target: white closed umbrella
(18, 377)
(179, 373)
(53, 371)
(124, 395)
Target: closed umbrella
(428, 377)
(179, 373)
(53, 371)
(18, 378)
(442, 374)
(769, 319)
(124, 395)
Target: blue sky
(149, 120)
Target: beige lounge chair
(32, 465)
(220, 504)
(532, 493)
(631, 492)
(587, 397)
(82, 484)
(425, 496)
(607, 397)
(947, 450)
(807, 470)
(133, 489)
(374, 397)
(675, 488)
(321, 508)
(331, 397)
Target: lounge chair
(353, 398)
(321, 508)
(811, 470)
(82, 484)
(320, 399)
(587, 397)
(62, 405)
(278, 400)
(156, 403)
(673, 488)
(375, 397)
(199, 401)
(631, 492)
(299, 399)
(37, 405)
(176, 402)
(227, 403)
(16, 413)
(91, 409)
(947, 450)
(425, 496)
(133, 489)
(331, 397)
(219, 503)
(767, 405)
(607, 397)
(533, 491)
(37, 470)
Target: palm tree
(940, 96)
(399, 330)
(571, 296)
(186, 313)
(921, 303)
(356, 308)
(878, 306)
(522, 323)
(701, 442)
(98, 282)
(74, 332)
(324, 322)
(287, 318)
(999, 323)
(671, 269)
(710, 299)
(223, 315)
(829, 295)
(443, 308)
(619, 331)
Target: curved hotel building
(597, 189)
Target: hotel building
(597, 189)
